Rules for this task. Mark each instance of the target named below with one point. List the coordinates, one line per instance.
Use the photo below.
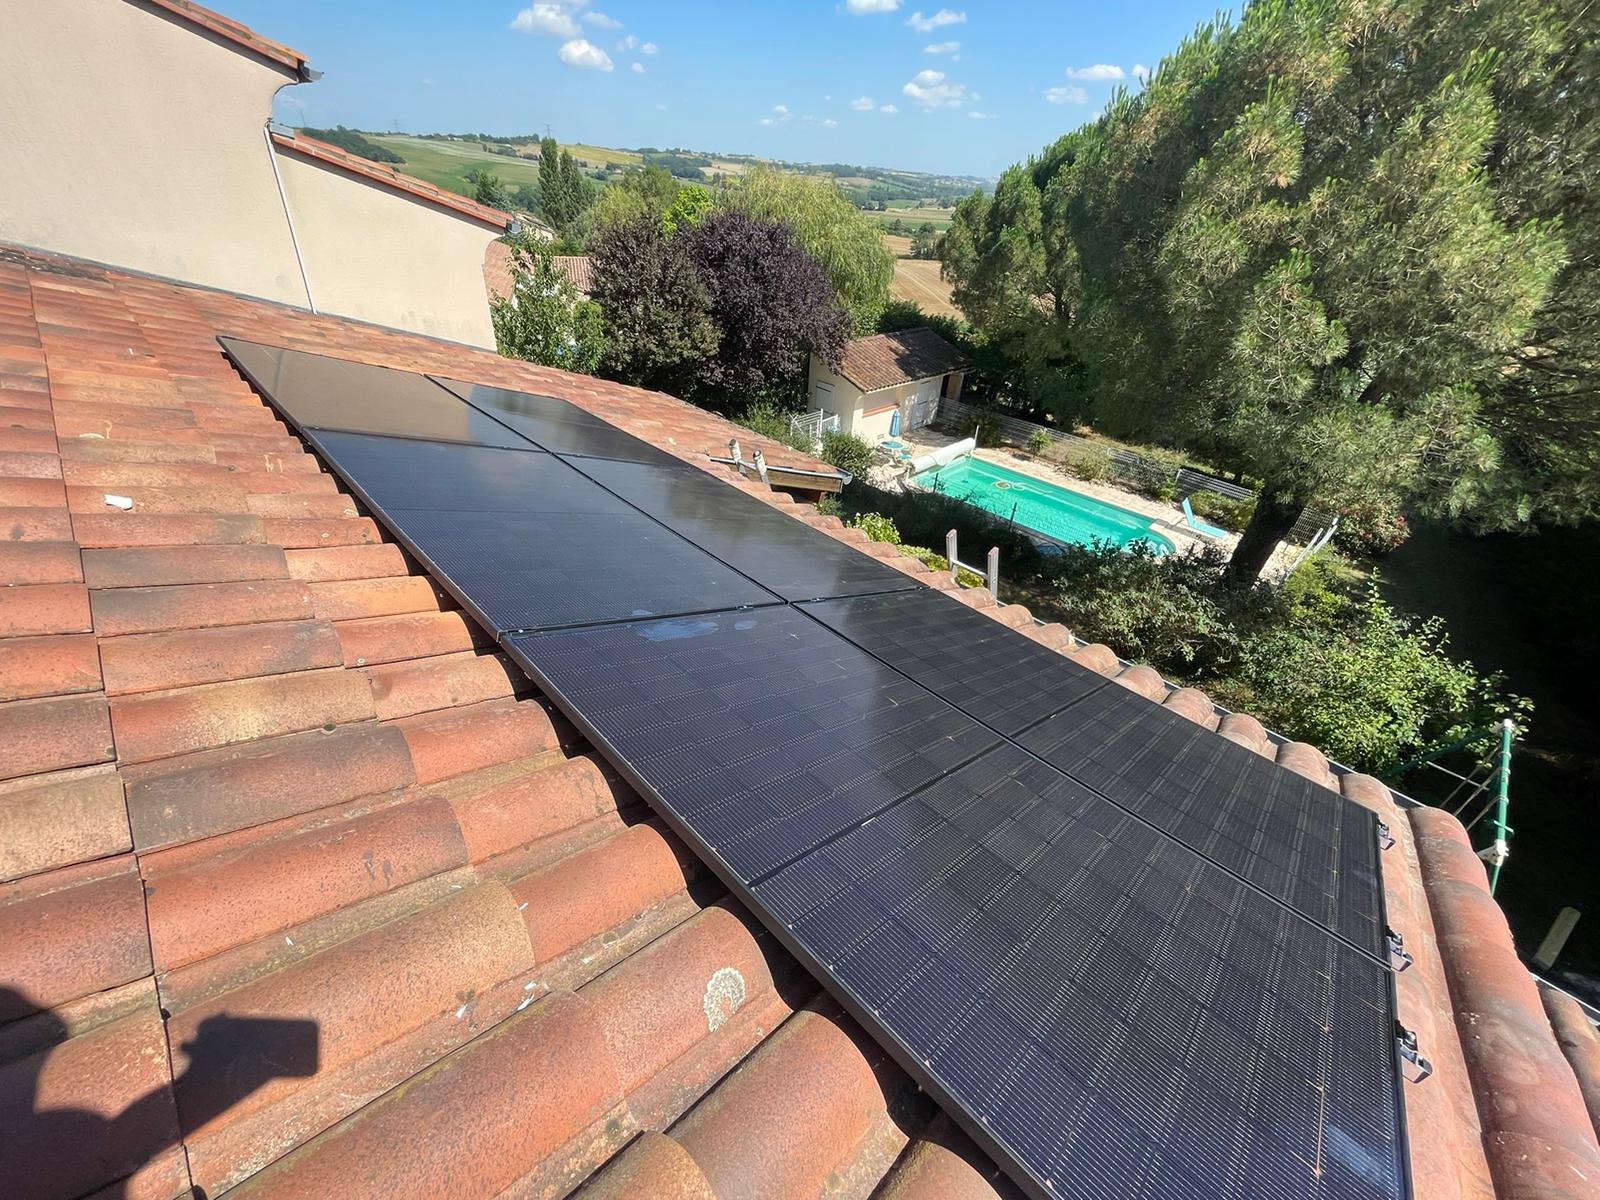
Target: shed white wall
(374, 253)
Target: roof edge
(409, 185)
(240, 35)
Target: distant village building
(889, 383)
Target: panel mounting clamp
(1385, 838)
(1406, 1043)
(1397, 950)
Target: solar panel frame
(760, 896)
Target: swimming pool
(1057, 512)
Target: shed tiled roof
(307, 891)
(889, 359)
(497, 270)
(381, 173)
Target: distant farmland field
(913, 217)
(447, 163)
(917, 280)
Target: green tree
(544, 320)
(657, 315)
(575, 186)
(1295, 250)
(555, 198)
(925, 241)
(487, 189)
(641, 191)
(846, 243)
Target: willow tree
(844, 241)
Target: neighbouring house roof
(308, 890)
(889, 359)
(375, 172)
(497, 265)
(239, 34)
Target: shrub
(1089, 462)
(938, 562)
(1372, 689)
(847, 452)
(1165, 610)
(1371, 525)
(877, 527)
(1222, 510)
(1039, 442)
(986, 427)
(829, 506)
(770, 421)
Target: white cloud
(648, 48)
(871, 6)
(581, 53)
(780, 114)
(863, 104)
(943, 17)
(1095, 74)
(980, 116)
(628, 43)
(637, 68)
(1140, 71)
(889, 110)
(930, 90)
(552, 20)
(942, 48)
(781, 109)
(1068, 93)
(661, 108)
(828, 122)
(602, 20)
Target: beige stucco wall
(844, 397)
(134, 139)
(867, 415)
(374, 253)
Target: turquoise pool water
(1056, 512)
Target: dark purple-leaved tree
(773, 305)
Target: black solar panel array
(1132, 958)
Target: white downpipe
(283, 199)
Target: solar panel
(780, 553)
(554, 424)
(1292, 838)
(526, 542)
(984, 668)
(1297, 841)
(766, 731)
(1113, 1015)
(313, 390)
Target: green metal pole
(1502, 797)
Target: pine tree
(1297, 249)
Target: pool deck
(1167, 518)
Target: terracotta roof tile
(235, 32)
(343, 808)
(889, 359)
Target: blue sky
(966, 88)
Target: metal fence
(814, 424)
(1129, 466)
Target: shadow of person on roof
(54, 1152)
